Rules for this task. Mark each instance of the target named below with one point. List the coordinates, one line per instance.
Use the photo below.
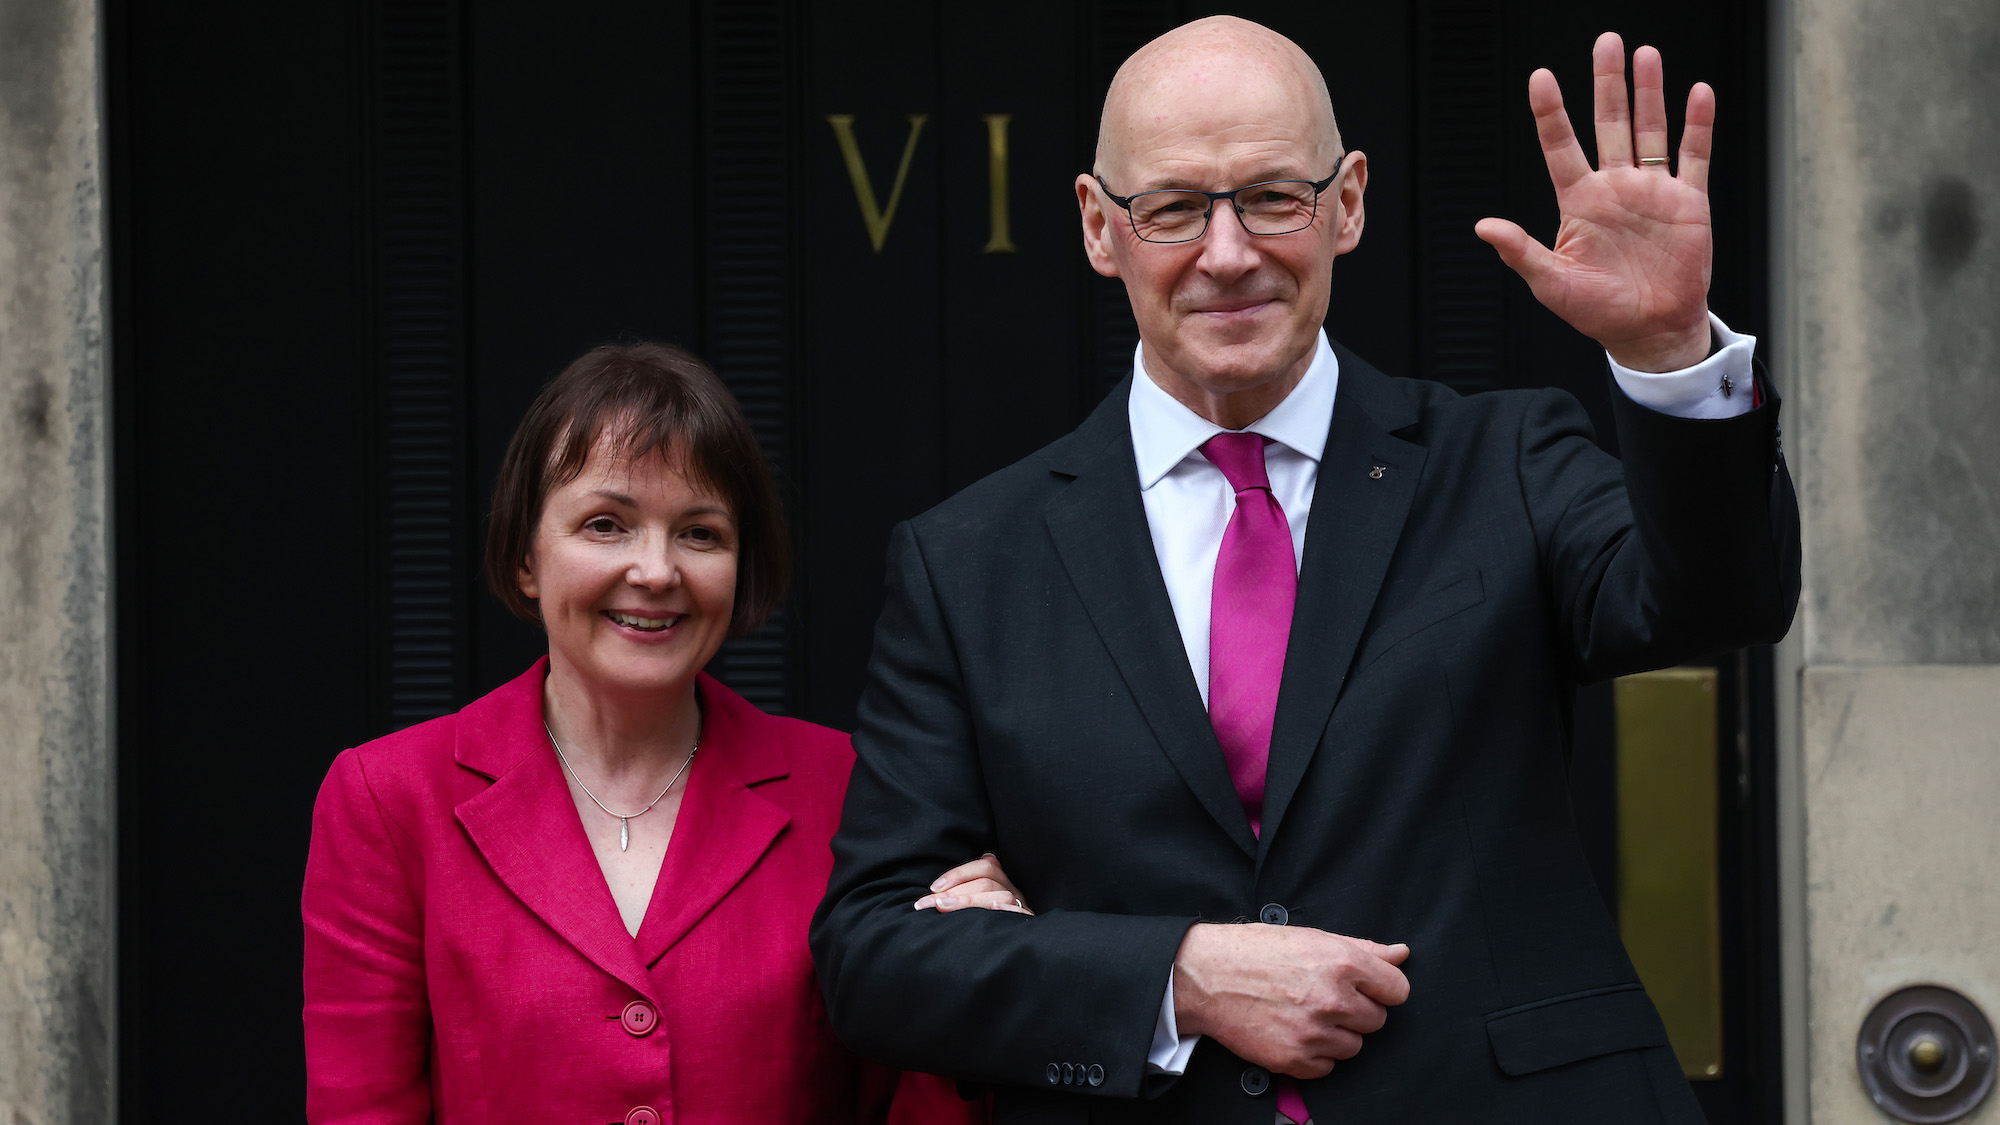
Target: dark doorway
(352, 237)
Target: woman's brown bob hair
(663, 400)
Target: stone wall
(57, 1006)
(1887, 256)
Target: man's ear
(1353, 183)
(1098, 234)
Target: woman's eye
(702, 534)
(602, 525)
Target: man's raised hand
(1631, 261)
(1291, 999)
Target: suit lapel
(525, 825)
(1357, 519)
(724, 828)
(1099, 527)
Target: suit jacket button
(1275, 915)
(643, 1115)
(638, 1018)
(1256, 1080)
(1069, 1074)
(1055, 1075)
(1096, 1075)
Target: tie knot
(1241, 459)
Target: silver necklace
(624, 819)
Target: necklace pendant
(624, 833)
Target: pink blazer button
(638, 1019)
(643, 1115)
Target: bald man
(1258, 682)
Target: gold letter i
(1001, 241)
(877, 219)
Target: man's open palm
(1631, 261)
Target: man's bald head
(1217, 59)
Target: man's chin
(1239, 367)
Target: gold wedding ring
(1652, 160)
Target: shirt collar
(1165, 432)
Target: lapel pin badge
(1376, 472)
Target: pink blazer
(464, 961)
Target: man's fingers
(1306, 1069)
(1367, 1016)
(1342, 1044)
(1381, 981)
(1649, 106)
(1532, 260)
(1394, 954)
(1564, 156)
(1614, 117)
(1697, 136)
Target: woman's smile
(646, 624)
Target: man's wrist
(1186, 980)
(1664, 352)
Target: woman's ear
(524, 580)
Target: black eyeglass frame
(1319, 188)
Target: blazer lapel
(724, 826)
(1357, 519)
(525, 825)
(1099, 527)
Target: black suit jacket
(1029, 695)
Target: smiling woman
(585, 896)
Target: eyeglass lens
(1280, 207)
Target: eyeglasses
(1272, 207)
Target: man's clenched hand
(1288, 998)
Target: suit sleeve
(976, 994)
(367, 1009)
(1691, 547)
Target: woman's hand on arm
(981, 883)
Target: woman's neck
(622, 735)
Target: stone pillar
(1886, 176)
(57, 924)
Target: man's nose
(1228, 248)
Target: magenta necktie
(1250, 617)
(1249, 624)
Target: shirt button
(638, 1018)
(1275, 915)
(1256, 1080)
(1096, 1075)
(643, 1115)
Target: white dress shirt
(1188, 501)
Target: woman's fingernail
(939, 884)
(948, 902)
(926, 902)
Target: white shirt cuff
(1170, 1052)
(1717, 387)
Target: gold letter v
(878, 219)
